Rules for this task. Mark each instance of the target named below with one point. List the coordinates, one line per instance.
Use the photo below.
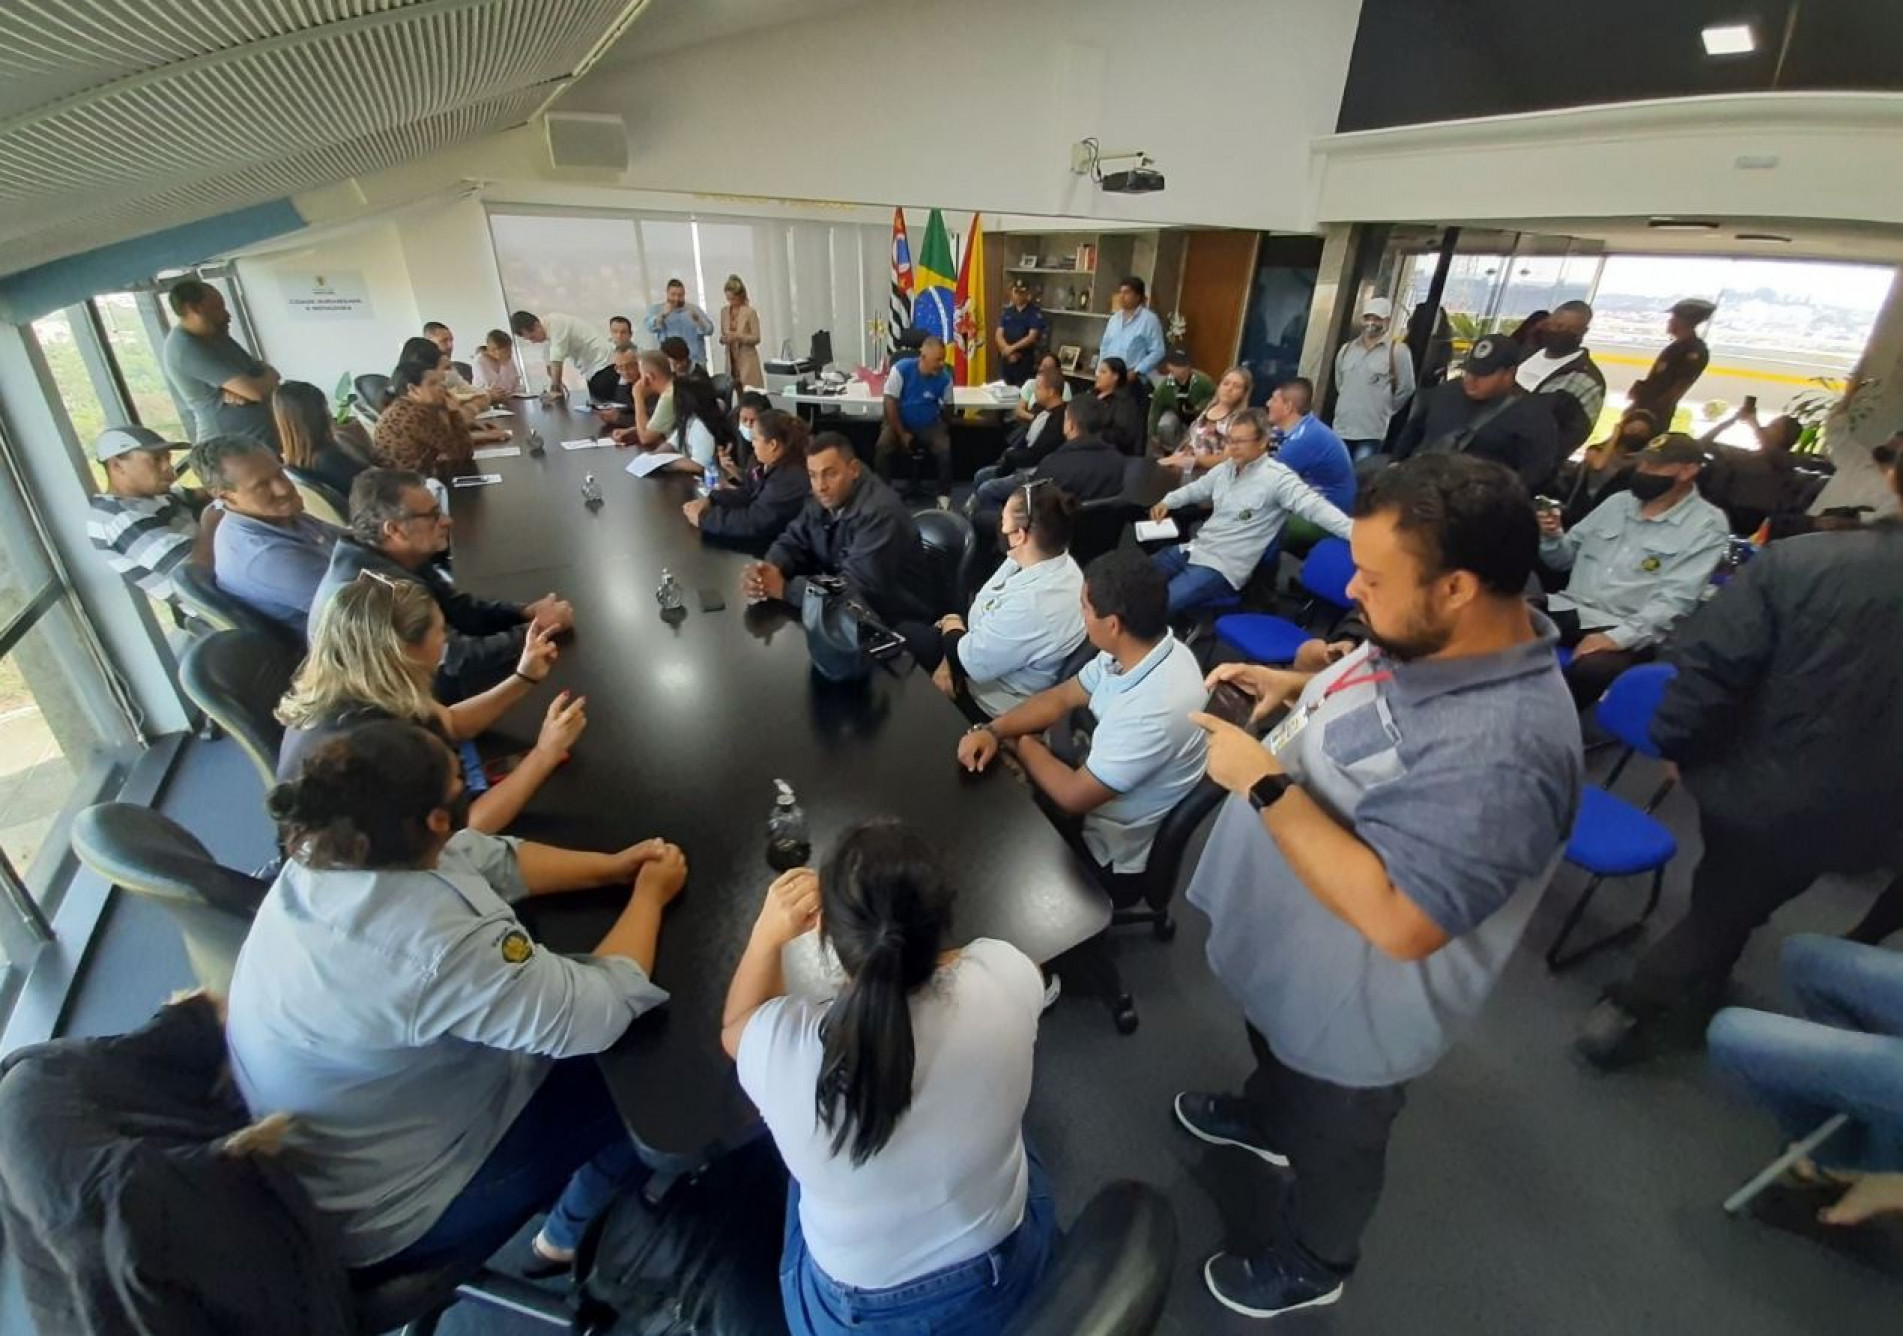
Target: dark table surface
(689, 723)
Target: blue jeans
(1190, 585)
(1360, 450)
(568, 1133)
(972, 1298)
(1846, 1058)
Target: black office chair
(1098, 526)
(1111, 1271)
(723, 391)
(464, 370)
(951, 547)
(320, 498)
(1166, 859)
(372, 392)
(198, 591)
(138, 850)
(414, 1303)
(238, 679)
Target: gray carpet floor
(1525, 1193)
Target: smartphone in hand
(1231, 704)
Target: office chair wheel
(1164, 928)
(1123, 1014)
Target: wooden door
(1217, 268)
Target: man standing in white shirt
(1373, 381)
(568, 340)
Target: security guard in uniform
(1679, 365)
(434, 1059)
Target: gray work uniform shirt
(1371, 384)
(1463, 775)
(1635, 578)
(1251, 505)
(403, 1017)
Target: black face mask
(1651, 486)
(1560, 343)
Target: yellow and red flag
(968, 318)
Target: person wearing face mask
(1373, 381)
(1639, 564)
(1605, 469)
(1564, 370)
(737, 458)
(1024, 621)
(757, 507)
(1379, 857)
(436, 1062)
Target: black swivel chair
(951, 547)
(238, 679)
(1166, 859)
(1111, 1271)
(372, 390)
(199, 592)
(723, 392)
(1098, 526)
(150, 855)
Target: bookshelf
(1075, 274)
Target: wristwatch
(1266, 790)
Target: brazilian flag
(935, 297)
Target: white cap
(1380, 306)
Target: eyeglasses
(379, 577)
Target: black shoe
(1269, 1284)
(1223, 1120)
(1611, 1037)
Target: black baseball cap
(1674, 447)
(1178, 356)
(1491, 353)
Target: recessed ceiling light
(1759, 236)
(1730, 39)
(1682, 224)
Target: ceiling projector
(1136, 181)
(1087, 159)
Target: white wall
(976, 105)
(452, 271)
(320, 350)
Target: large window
(69, 359)
(134, 331)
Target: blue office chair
(1611, 837)
(1264, 638)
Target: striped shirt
(144, 537)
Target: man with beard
(1380, 855)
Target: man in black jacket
(1085, 465)
(854, 526)
(1786, 721)
(1484, 413)
(397, 530)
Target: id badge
(1287, 731)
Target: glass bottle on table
(787, 844)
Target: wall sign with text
(335, 294)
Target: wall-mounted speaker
(580, 139)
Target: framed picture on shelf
(1027, 261)
(1068, 356)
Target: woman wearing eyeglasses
(373, 656)
(1025, 620)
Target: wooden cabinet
(1074, 276)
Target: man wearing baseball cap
(1373, 380)
(1184, 390)
(1484, 413)
(1639, 564)
(1679, 365)
(143, 521)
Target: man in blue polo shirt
(266, 552)
(1133, 332)
(918, 394)
(1019, 329)
(1380, 856)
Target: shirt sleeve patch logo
(516, 946)
(1650, 564)
(1247, 515)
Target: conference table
(690, 720)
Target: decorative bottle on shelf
(787, 844)
(669, 593)
(590, 490)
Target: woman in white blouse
(897, 1105)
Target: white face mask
(746, 433)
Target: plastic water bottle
(711, 476)
(669, 593)
(590, 490)
(787, 844)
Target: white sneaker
(944, 503)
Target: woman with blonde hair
(374, 654)
(740, 336)
(1203, 440)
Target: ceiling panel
(121, 117)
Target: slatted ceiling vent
(123, 117)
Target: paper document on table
(497, 452)
(642, 465)
(477, 480)
(525, 394)
(597, 443)
(489, 414)
(1151, 531)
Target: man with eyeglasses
(397, 530)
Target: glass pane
(812, 290)
(669, 251)
(138, 362)
(585, 267)
(47, 737)
(88, 415)
(727, 248)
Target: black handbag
(834, 634)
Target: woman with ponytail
(436, 1062)
(897, 1105)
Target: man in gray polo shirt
(1381, 855)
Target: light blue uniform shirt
(689, 323)
(1145, 748)
(1135, 336)
(404, 1018)
(1250, 508)
(1023, 624)
(1634, 578)
(275, 568)
(1463, 776)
